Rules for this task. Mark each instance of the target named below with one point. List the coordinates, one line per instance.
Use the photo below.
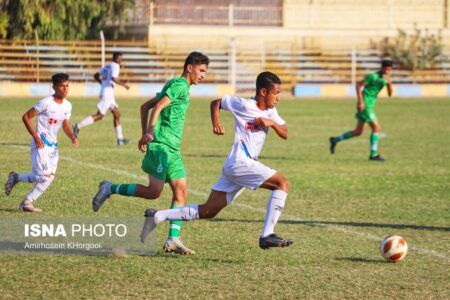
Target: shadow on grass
(10, 209)
(335, 223)
(222, 156)
(362, 260)
(14, 144)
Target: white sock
(185, 213)
(274, 208)
(38, 189)
(119, 132)
(86, 122)
(30, 177)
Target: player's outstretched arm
(215, 117)
(144, 113)
(68, 131)
(359, 86)
(121, 82)
(26, 118)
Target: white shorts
(44, 161)
(107, 100)
(242, 174)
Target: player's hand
(387, 78)
(263, 122)
(361, 107)
(144, 141)
(38, 141)
(218, 129)
(75, 142)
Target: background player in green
(373, 84)
(161, 140)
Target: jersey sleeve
(115, 70)
(102, 71)
(231, 103)
(175, 91)
(41, 106)
(276, 118)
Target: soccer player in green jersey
(373, 84)
(160, 141)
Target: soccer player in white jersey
(53, 112)
(107, 77)
(253, 118)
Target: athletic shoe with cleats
(103, 193)
(10, 183)
(75, 130)
(273, 241)
(27, 206)
(175, 245)
(377, 158)
(149, 224)
(332, 144)
(123, 142)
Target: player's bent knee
(284, 185)
(208, 213)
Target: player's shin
(374, 137)
(39, 188)
(274, 209)
(343, 136)
(185, 213)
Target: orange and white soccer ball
(393, 248)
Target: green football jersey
(170, 123)
(374, 82)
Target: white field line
(334, 227)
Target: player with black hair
(373, 84)
(53, 112)
(161, 141)
(107, 77)
(252, 118)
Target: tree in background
(414, 51)
(61, 19)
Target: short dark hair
(116, 54)
(196, 58)
(266, 80)
(59, 77)
(386, 63)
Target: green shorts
(366, 116)
(163, 162)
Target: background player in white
(253, 118)
(108, 77)
(52, 112)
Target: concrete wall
(76, 89)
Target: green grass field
(338, 210)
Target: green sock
(344, 136)
(175, 226)
(124, 189)
(374, 144)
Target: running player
(161, 141)
(53, 112)
(373, 84)
(107, 77)
(253, 118)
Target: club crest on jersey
(52, 121)
(252, 126)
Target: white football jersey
(50, 116)
(248, 136)
(109, 72)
